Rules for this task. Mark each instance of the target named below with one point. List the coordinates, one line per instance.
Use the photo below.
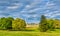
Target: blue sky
(30, 10)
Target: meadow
(28, 33)
(31, 31)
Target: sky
(30, 10)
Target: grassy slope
(27, 33)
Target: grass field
(28, 33)
(33, 31)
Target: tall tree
(43, 26)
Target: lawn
(28, 33)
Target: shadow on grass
(21, 30)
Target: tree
(57, 24)
(51, 24)
(3, 21)
(43, 26)
(18, 24)
(6, 23)
(10, 18)
(9, 22)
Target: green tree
(3, 23)
(10, 18)
(9, 22)
(51, 24)
(6, 23)
(43, 26)
(18, 24)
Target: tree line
(48, 24)
(10, 23)
(45, 24)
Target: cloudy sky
(30, 10)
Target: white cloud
(27, 6)
(53, 14)
(13, 7)
(34, 15)
(16, 5)
(27, 16)
(50, 4)
(3, 16)
(36, 9)
(32, 4)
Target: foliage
(43, 26)
(57, 24)
(5, 23)
(9, 22)
(48, 24)
(51, 24)
(18, 24)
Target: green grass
(28, 33)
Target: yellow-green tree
(18, 24)
(51, 24)
(57, 24)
